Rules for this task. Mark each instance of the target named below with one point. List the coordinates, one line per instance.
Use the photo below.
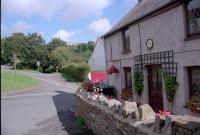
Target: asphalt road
(45, 110)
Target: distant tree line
(54, 55)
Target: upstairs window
(192, 10)
(128, 77)
(126, 42)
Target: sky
(69, 20)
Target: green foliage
(138, 79)
(60, 56)
(50, 69)
(20, 65)
(10, 45)
(170, 87)
(55, 42)
(69, 78)
(32, 48)
(80, 122)
(29, 50)
(76, 70)
(85, 49)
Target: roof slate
(141, 9)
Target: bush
(50, 69)
(69, 78)
(80, 122)
(76, 70)
(20, 65)
(138, 79)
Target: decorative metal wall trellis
(166, 59)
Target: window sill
(192, 37)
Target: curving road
(45, 110)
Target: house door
(155, 87)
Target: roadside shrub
(20, 65)
(50, 69)
(76, 70)
(40, 69)
(69, 78)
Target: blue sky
(70, 20)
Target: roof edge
(164, 8)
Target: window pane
(126, 41)
(128, 77)
(195, 83)
(193, 9)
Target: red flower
(112, 70)
(164, 113)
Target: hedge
(78, 71)
(50, 69)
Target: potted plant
(170, 87)
(138, 79)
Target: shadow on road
(63, 102)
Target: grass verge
(8, 83)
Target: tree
(55, 42)
(35, 39)
(10, 45)
(85, 49)
(60, 56)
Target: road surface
(45, 110)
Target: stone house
(157, 35)
(97, 62)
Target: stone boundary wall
(105, 121)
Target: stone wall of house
(167, 30)
(105, 119)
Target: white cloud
(67, 9)
(99, 26)
(20, 26)
(64, 35)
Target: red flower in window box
(127, 94)
(164, 113)
(112, 69)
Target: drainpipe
(140, 39)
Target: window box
(194, 104)
(127, 94)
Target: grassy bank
(8, 83)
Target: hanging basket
(112, 70)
